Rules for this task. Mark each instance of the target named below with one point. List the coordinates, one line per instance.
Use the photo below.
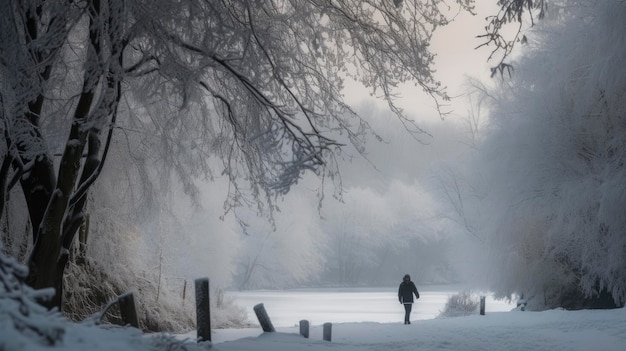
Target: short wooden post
(264, 319)
(328, 331)
(304, 328)
(128, 310)
(203, 310)
(482, 305)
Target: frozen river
(287, 307)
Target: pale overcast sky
(456, 60)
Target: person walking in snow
(405, 295)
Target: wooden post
(203, 310)
(264, 319)
(128, 310)
(304, 328)
(482, 305)
(328, 331)
(184, 291)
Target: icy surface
(287, 307)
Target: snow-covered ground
(511, 331)
(549, 330)
(376, 324)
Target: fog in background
(382, 225)
(381, 219)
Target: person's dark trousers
(407, 313)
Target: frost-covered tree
(550, 172)
(256, 84)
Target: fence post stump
(482, 305)
(264, 319)
(128, 310)
(328, 331)
(184, 292)
(203, 310)
(304, 328)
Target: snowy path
(510, 331)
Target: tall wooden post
(482, 305)
(264, 319)
(203, 310)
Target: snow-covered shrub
(464, 303)
(225, 313)
(89, 288)
(22, 320)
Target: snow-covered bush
(225, 313)
(22, 319)
(464, 303)
(90, 287)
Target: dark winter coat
(406, 291)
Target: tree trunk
(48, 260)
(63, 214)
(46, 263)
